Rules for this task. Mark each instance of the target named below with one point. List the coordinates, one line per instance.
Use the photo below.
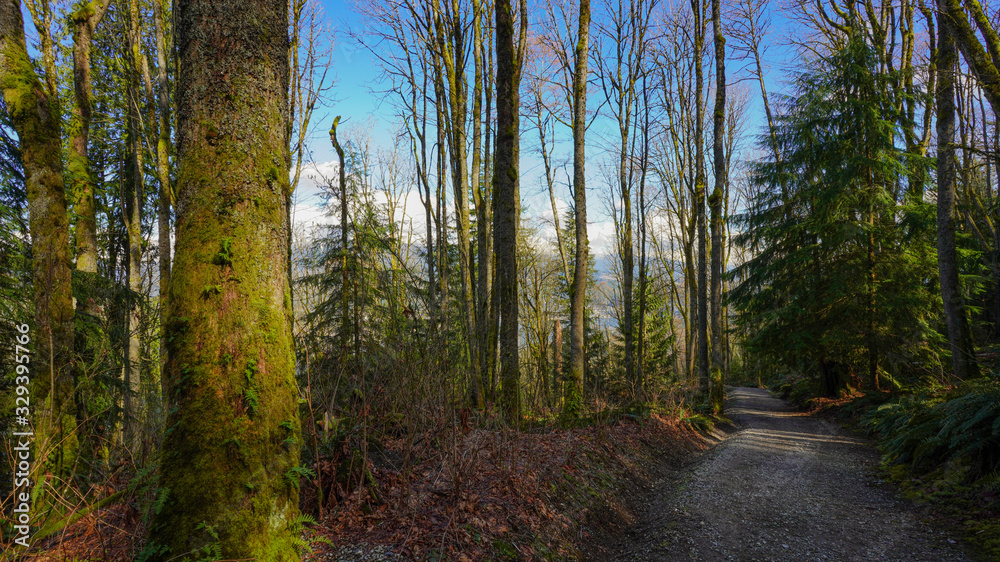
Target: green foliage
(212, 549)
(16, 282)
(938, 426)
(841, 260)
(297, 473)
(225, 254)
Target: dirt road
(783, 486)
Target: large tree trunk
(35, 116)
(715, 202)
(231, 446)
(962, 354)
(507, 204)
(578, 285)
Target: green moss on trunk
(231, 449)
(35, 116)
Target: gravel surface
(783, 486)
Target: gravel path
(783, 486)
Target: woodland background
(837, 237)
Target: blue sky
(358, 77)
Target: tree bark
(962, 354)
(982, 60)
(481, 201)
(573, 403)
(557, 358)
(715, 203)
(84, 18)
(506, 202)
(453, 54)
(231, 447)
(132, 200)
(163, 149)
(35, 116)
(698, 204)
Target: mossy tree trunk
(485, 303)
(81, 184)
(84, 19)
(450, 33)
(163, 150)
(578, 285)
(132, 203)
(231, 446)
(480, 200)
(35, 116)
(698, 204)
(715, 203)
(982, 60)
(506, 200)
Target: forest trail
(783, 486)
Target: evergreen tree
(831, 274)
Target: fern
(927, 429)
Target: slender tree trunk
(872, 335)
(80, 178)
(628, 262)
(481, 200)
(557, 359)
(441, 212)
(454, 61)
(345, 295)
(132, 200)
(507, 204)
(230, 450)
(715, 203)
(640, 362)
(163, 149)
(550, 182)
(573, 403)
(35, 116)
(962, 352)
(698, 205)
(85, 17)
(691, 292)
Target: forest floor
(479, 492)
(784, 485)
(777, 484)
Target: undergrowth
(957, 425)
